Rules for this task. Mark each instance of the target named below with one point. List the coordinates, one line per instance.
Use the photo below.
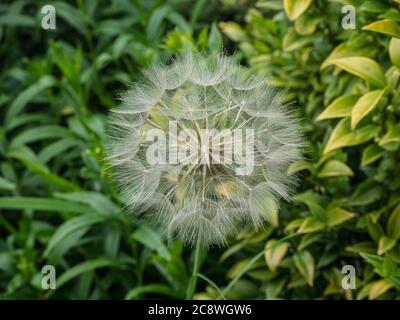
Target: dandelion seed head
(204, 200)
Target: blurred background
(340, 67)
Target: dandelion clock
(202, 146)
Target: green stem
(196, 267)
(240, 274)
(248, 267)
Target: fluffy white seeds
(194, 200)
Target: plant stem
(248, 267)
(196, 266)
(240, 274)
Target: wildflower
(202, 146)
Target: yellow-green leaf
(393, 135)
(343, 136)
(292, 41)
(363, 67)
(385, 244)
(274, 253)
(299, 166)
(311, 224)
(378, 288)
(339, 108)
(335, 168)
(304, 262)
(295, 8)
(233, 31)
(394, 51)
(371, 154)
(348, 49)
(337, 216)
(387, 26)
(307, 24)
(393, 224)
(365, 105)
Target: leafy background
(58, 205)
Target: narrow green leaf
(43, 204)
(27, 95)
(84, 267)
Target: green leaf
(292, 41)
(337, 216)
(393, 224)
(366, 192)
(339, 108)
(371, 154)
(233, 31)
(157, 288)
(152, 240)
(274, 253)
(304, 262)
(295, 8)
(155, 21)
(348, 48)
(378, 288)
(387, 27)
(42, 204)
(71, 15)
(97, 201)
(385, 244)
(215, 39)
(27, 95)
(71, 226)
(343, 136)
(394, 51)
(307, 24)
(311, 224)
(335, 168)
(15, 19)
(313, 201)
(298, 166)
(392, 136)
(84, 267)
(363, 67)
(40, 133)
(365, 105)
(6, 185)
(366, 247)
(29, 159)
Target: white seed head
(195, 199)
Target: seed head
(202, 146)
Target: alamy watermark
(49, 18)
(49, 277)
(349, 280)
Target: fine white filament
(197, 201)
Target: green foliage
(345, 84)
(58, 205)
